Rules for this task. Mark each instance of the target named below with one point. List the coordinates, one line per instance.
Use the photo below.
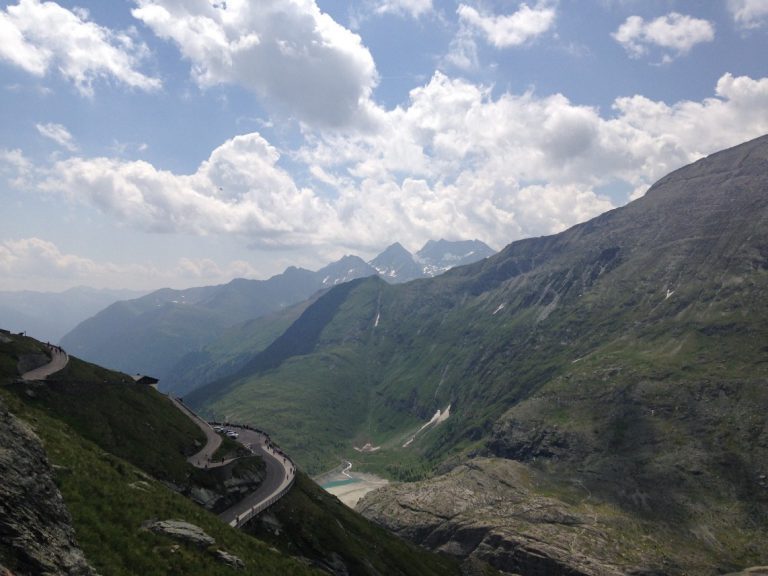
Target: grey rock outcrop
(489, 510)
(196, 537)
(29, 362)
(36, 535)
(229, 559)
(228, 484)
(183, 531)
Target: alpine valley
(588, 403)
(166, 332)
(591, 403)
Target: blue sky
(151, 143)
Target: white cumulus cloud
(674, 33)
(455, 161)
(239, 189)
(412, 8)
(749, 13)
(58, 134)
(15, 168)
(40, 36)
(512, 29)
(33, 257)
(39, 262)
(287, 51)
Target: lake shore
(348, 485)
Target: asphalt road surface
(59, 359)
(279, 474)
(202, 458)
(279, 469)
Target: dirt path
(59, 359)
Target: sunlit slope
(686, 263)
(153, 333)
(119, 449)
(234, 347)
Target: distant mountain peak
(395, 249)
(396, 264)
(438, 256)
(348, 267)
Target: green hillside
(624, 354)
(230, 351)
(118, 447)
(153, 333)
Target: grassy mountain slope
(123, 418)
(152, 333)
(230, 351)
(117, 447)
(624, 354)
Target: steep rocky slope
(36, 533)
(620, 356)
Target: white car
(232, 434)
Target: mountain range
(587, 403)
(154, 334)
(397, 265)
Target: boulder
(183, 531)
(229, 559)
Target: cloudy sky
(150, 143)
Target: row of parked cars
(226, 431)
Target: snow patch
(499, 309)
(669, 293)
(378, 316)
(434, 421)
(368, 447)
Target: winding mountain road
(280, 470)
(202, 458)
(59, 359)
(279, 477)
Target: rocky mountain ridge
(620, 356)
(152, 334)
(397, 265)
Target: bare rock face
(36, 535)
(227, 485)
(29, 362)
(493, 510)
